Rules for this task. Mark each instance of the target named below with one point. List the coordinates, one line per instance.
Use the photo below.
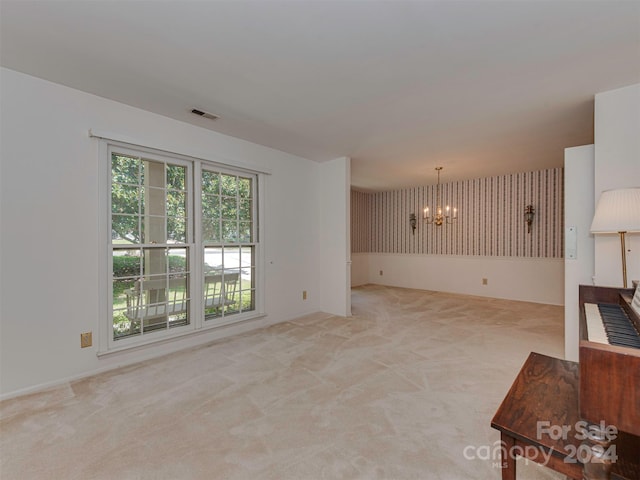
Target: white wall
(334, 189)
(359, 269)
(49, 235)
(617, 165)
(536, 280)
(579, 249)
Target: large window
(183, 245)
(228, 235)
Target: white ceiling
(480, 87)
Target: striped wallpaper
(490, 218)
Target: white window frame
(106, 342)
(231, 319)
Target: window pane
(123, 326)
(244, 187)
(155, 201)
(153, 230)
(229, 185)
(231, 259)
(247, 262)
(248, 278)
(229, 231)
(248, 300)
(125, 229)
(178, 300)
(213, 283)
(176, 177)
(178, 260)
(178, 285)
(125, 199)
(154, 173)
(154, 262)
(213, 291)
(210, 230)
(231, 280)
(247, 257)
(221, 293)
(121, 289)
(210, 182)
(244, 232)
(126, 264)
(176, 217)
(125, 169)
(210, 206)
(229, 208)
(213, 260)
(245, 210)
(231, 293)
(177, 229)
(176, 203)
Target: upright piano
(596, 400)
(609, 362)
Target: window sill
(150, 343)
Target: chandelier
(440, 218)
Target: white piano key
(595, 325)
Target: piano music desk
(546, 390)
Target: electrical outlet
(485, 281)
(85, 340)
(380, 272)
(304, 294)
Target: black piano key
(621, 336)
(619, 329)
(625, 343)
(622, 330)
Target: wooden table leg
(508, 460)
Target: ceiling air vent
(200, 113)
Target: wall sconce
(529, 212)
(412, 222)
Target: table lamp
(618, 211)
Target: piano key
(595, 327)
(625, 343)
(608, 324)
(611, 335)
(618, 327)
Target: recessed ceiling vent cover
(200, 113)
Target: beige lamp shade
(617, 211)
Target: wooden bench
(220, 290)
(543, 401)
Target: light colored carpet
(401, 390)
